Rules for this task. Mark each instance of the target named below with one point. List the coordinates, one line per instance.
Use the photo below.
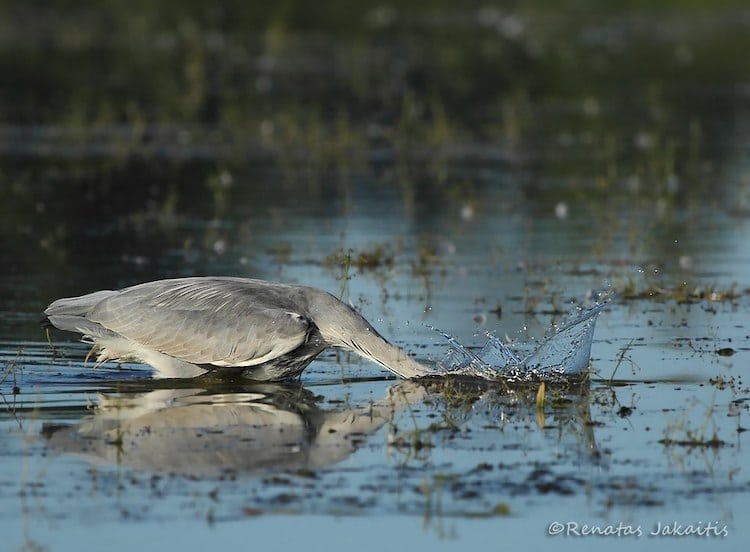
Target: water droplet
(561, 210)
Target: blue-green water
(447, 465)
(470, 171)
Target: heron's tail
(70, 314)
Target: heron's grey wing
(207, 321)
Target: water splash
(564, 352)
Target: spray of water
(564, 352)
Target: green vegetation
(142, 118)
(327, 86)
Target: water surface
(488, 188)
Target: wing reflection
(198, 433)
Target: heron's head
(339, 324)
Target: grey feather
(188, 325)
(206, 321)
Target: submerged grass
(380, 257)
(681, 433)
(10, 375)
(682, 292)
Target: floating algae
(564, 352)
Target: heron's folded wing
(206, 322)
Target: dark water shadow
(220, 429)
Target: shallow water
(502, 222)
(656, 436)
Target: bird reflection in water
(202, 433)
(219, 432)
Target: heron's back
(185, 326)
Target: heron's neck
(341, 326)
(374, 347)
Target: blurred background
(500, 152)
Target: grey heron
(186, 327)
(201, 433)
